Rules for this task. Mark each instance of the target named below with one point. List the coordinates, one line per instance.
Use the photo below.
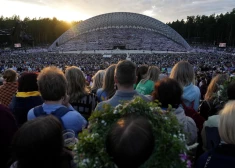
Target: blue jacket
(191, 93)
(72, 120)
(101, 95)
(120, 96)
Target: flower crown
(170, 145)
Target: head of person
(130, 141)
(141, 72)
(153, 73)
(125, 74)
(52, 84)
(168, 92)
(9, 75)
(227, 124)
(183, 72)
(108, 83)
(38, 143)
(231, 91)
(214, 85)
(27, 82)
(98, 79)
(76, 83)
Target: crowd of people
(131, 39)
(43, 94)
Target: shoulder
(73, 116)
(31, 115)
(212, 121)
(196, 88)
(191, 87)
(99, 91)
(74, 120)
(147, 98)
(99, 106)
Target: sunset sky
(75, 10)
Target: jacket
(72, 120)
(20, 106)
(191, 93)
(101, 95)
(210, 133)
(120, 96)
(189, 126)
(223, 156)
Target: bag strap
(38, 111)
(60, 112)
(184, 106)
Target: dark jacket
(85, 105)
(8, 127)
(223, 156)
(208, 108)
(20, 107)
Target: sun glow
(10, 8)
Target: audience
(52, 85)
(70, 101)
(130, 141)
(97, 80)
(146, 85)
(108, 89)
(210, 134)
(169, 92)
(39, 143)
(8, 127)
(208, 107)
(9, 87)
(183, 73)
(141, 73)
(80, 96)
(223, 154)
(26, 98)
(125, 78)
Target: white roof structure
(120, 20)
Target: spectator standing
(9, 87)
(52, 85)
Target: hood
(190, 92)
(180, 115)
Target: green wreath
(221, 96)
(170, 142)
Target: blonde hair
(98, 79)
(76, 83)
(214, 85)
(183, 73)
(227, 124)
(108, 85)
(152, 74)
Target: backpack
(190, 112)
(58, 113)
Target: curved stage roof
(120, 20)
